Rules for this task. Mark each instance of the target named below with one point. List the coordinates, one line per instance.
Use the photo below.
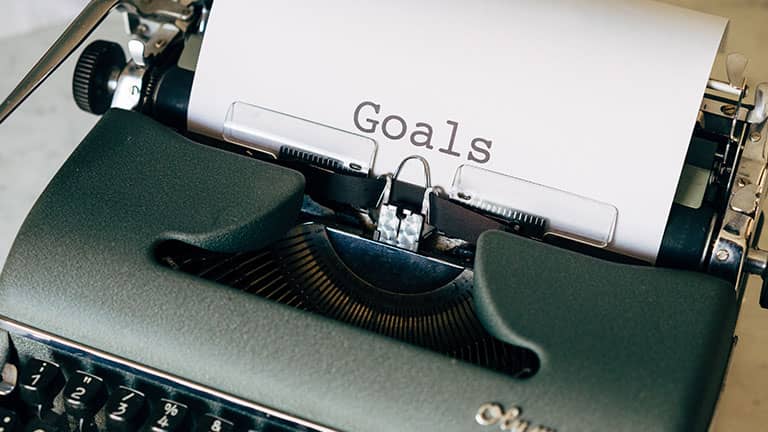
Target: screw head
(729, 110)
(755, 136)
(723, 255)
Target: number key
(211, 423)
(170, 417)
(41, 381)
(84, 395)
(125, 410)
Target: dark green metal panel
(642, 348)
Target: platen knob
(96, 76)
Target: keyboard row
(41, 385)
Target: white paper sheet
(594, 97)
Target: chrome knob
(757, 263)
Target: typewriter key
(41, 381)
(171, 416)
(125, 410)
(211, 423)
(84, 395)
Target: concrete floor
(38, 138)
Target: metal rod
(757, 262)
(724, 87)
(77, 32)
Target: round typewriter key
(211, 423)
(125, 410)
(40, 382)
(84, 395)
(170, 416)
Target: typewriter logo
(511, 420)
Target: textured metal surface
(427, 303)
(644, 347)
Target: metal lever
(760, 112)
(757, 263)
(77, 32)
(735, 66)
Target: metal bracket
(402, 227)
(732, 254)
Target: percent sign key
(171, 417)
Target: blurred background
(38, 138)
(22, 16)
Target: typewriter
(292, 293)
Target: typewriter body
(286, 293)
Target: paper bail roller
(288, 137)
(570, 216)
